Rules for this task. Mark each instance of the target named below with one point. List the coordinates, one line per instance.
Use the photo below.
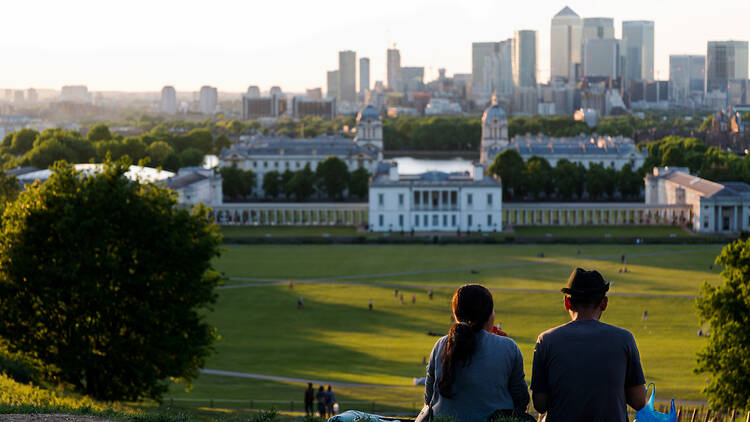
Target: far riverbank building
(262, 153)
(609, 151)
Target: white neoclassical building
(715, 207)
(262, 154)
(609, 151)
(434, 201)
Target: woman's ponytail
(472, 306)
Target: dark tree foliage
(595, 183)
(332, 175)
(286, 178)
(359, 183)
(569, 178)
(99, 133)
(272, 184)
(302, 184)
(191, 157)
(510, 167)
(539, 177)
(236, 183)
(726, 357)
(108, 280)
(629, 182)
(22, 141)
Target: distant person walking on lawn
(309, 398)
(586, 370)
(473, 374)
(322, 398)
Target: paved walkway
(343, 280)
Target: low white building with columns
(715, 207)
(434, 201)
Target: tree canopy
(333, 176)
(726, 357)
(107, 280)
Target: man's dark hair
(578, 302)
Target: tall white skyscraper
(394, 80)
(364, 75)
(332, 84)
(347, 91)
(253, 91)
(565, 41)
(598, 29)
(483, 66)
(686, 77)
(73, 93)
(168, 100)
(524, 58)
(209, 99)
(601, 58)
(638, 50)
(726, 61)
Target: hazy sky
(142, 45)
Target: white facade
(196, 185)
(435, 201)
(716, 207)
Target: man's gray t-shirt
(584, 367)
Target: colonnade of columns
(518, 214)
(290, 215)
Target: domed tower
(494, 132)
(370, 130)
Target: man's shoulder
(601, 329)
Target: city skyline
(187, 46)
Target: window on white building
(469, 220)
(453, 220)
(380, 220)
(435, 221)
(401, 199)
(297, 164)
(445, 220)
(416, 198)
(469, 199)
(401, 220)
(489, 220)
(255, 164)
(265, 164)
(416, 220)
(489, 199)
(454, 198)
(705, 222)
(276, 164)
(426, 220)
(381, 199)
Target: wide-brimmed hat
(585, 283)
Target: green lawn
(336, 338)
(287, 231)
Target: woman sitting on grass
(473, 374)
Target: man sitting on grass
(586, 370)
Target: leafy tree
(539, 177)
(108, 280)
(569, 178)
(237, 184)
(191, 157)
(726, 357)
(674, 156)
(158, 152)
(173, 162)
(200, 139)
(629, 182)
(222, 141)
(359, 183)
(134, 148)
(509, 166)
(333, 176)
(302, 183)
(48, 152)
(595, 183)
(9, 189)
(610, 182)
(99, 133)
(286, 178)
(22, 141)
(272, 184)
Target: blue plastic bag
(648, 414)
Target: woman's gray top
(493, 380)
